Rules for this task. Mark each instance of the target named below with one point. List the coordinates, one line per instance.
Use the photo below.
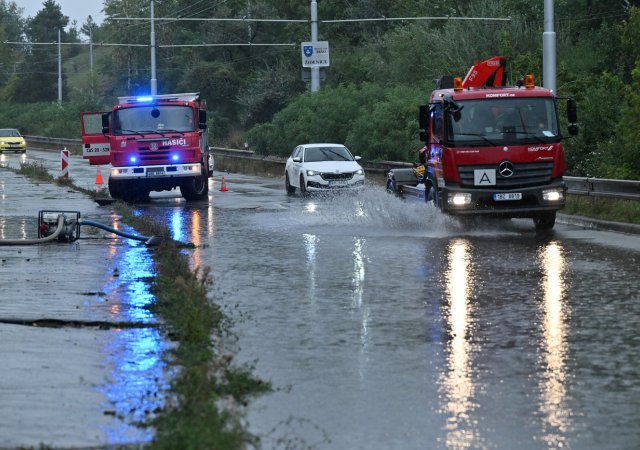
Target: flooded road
(383, 324)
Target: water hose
(42, 240)
(149, 241)
(67, 229)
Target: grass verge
(204, 407)
(616, 210)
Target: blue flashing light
(133, 159)
(174, 157)
(144, 99)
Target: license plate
(337, 183)
(154, 172)
(507, 196)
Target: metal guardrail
(602, 187)
(593, 187)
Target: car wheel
(290, 189)
(303, 186)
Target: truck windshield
(153, 119)
(490, 122)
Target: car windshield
(9, 133)
(150, 119)
(315, 154)
(503, 121)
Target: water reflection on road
(386, 325)
(134, 355)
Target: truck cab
(493, 150)
(153, 143)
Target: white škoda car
(322, 167)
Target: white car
(322, 167)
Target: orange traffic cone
(223, 187)
(99, 180)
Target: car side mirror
(357, 158)
(297, 159)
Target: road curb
(598, 224)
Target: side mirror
(572, 116)
(202, 119)
(105, 122)
(297, 159)
(423, 117)
(357, 158)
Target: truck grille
(524, 174)
(336, 176)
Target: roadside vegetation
(380, 70)
(616, 210)
(205, 405)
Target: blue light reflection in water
(138, 374)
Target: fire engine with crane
(153, 143)
(490, 149)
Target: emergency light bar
(183, 97)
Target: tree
(39, 69)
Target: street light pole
(154, 81)
(315, 70)
(549, 48)
(59, 69)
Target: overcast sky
(75, 9)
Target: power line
(248, 19)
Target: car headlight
(312, 173)
(359, 172)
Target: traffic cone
(223, 186)
(99, 180)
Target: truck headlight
(460, 199)
(552, 195)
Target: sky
(76, 9)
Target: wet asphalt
(81, 354)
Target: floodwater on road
(384, 325)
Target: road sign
(315, 54)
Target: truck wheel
(545, 221)
(127, 191)
(195, 188)
(290, 189)
(432, 195)
(116, 189)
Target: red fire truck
(153, 143)
(490, 149)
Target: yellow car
(12, 140)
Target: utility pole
(91, 50)
(315, 70)
(59, 69)
(154, 80)
(549, 49)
